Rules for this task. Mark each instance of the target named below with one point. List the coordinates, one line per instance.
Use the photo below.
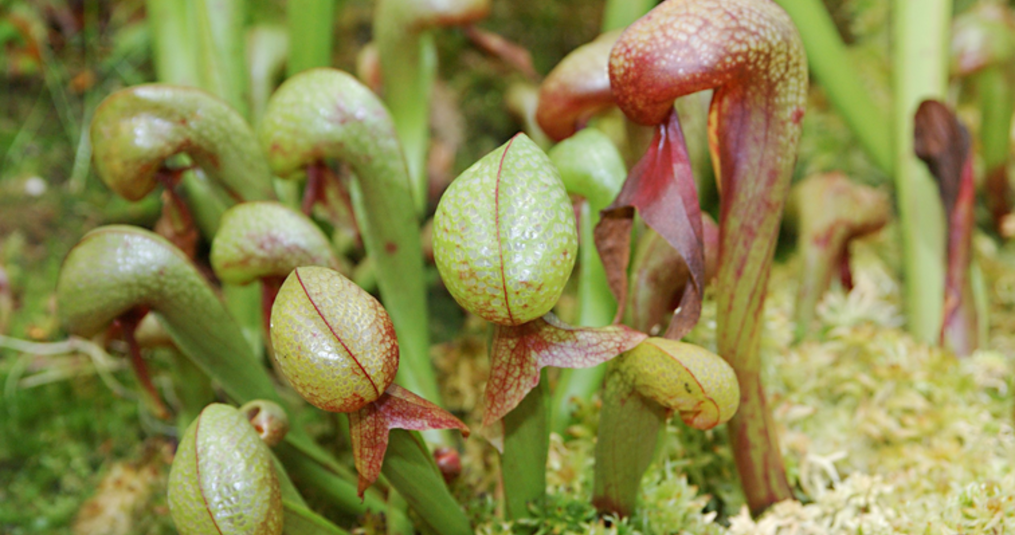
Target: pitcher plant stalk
(408, 56)
(220, 26)
(750, 54)
(920, 32)
(505, 243)
(336, 346)
(831, 211)
(325, 114)
(633, 416)
(942, 142)
(310, 25)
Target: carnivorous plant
(750, 54)
(323, 114)
(505, 243)
(336, 346)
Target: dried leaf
(397, 408)
(518, 354)
(662, 188)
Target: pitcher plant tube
(222, 479)
(337, 347)
(750, 54)
(505, 243)
(408, 56)
(323, 114)
(643, 388)
(831, 211)
(943, 143)
(135, 130)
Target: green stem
(299, 520)
(411, 470)
(408, 56)
(619, 14)
(409, 69)
(921, 29)
(596, 307)
(221, 56)
(629, 429)
(339, 491)
(526, 447)
(756, 445)
(993, 89)
(831, 65)
(310, 24)
(267, 50)
(173, 41)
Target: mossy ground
(881, 434)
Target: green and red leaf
(397, 408)
(518, 353)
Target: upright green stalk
(831, 65)
(173, 41)
(310, 25)
(919, 65)
(267, 50)
(524, 427)
(402, 31)
(221, 43)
